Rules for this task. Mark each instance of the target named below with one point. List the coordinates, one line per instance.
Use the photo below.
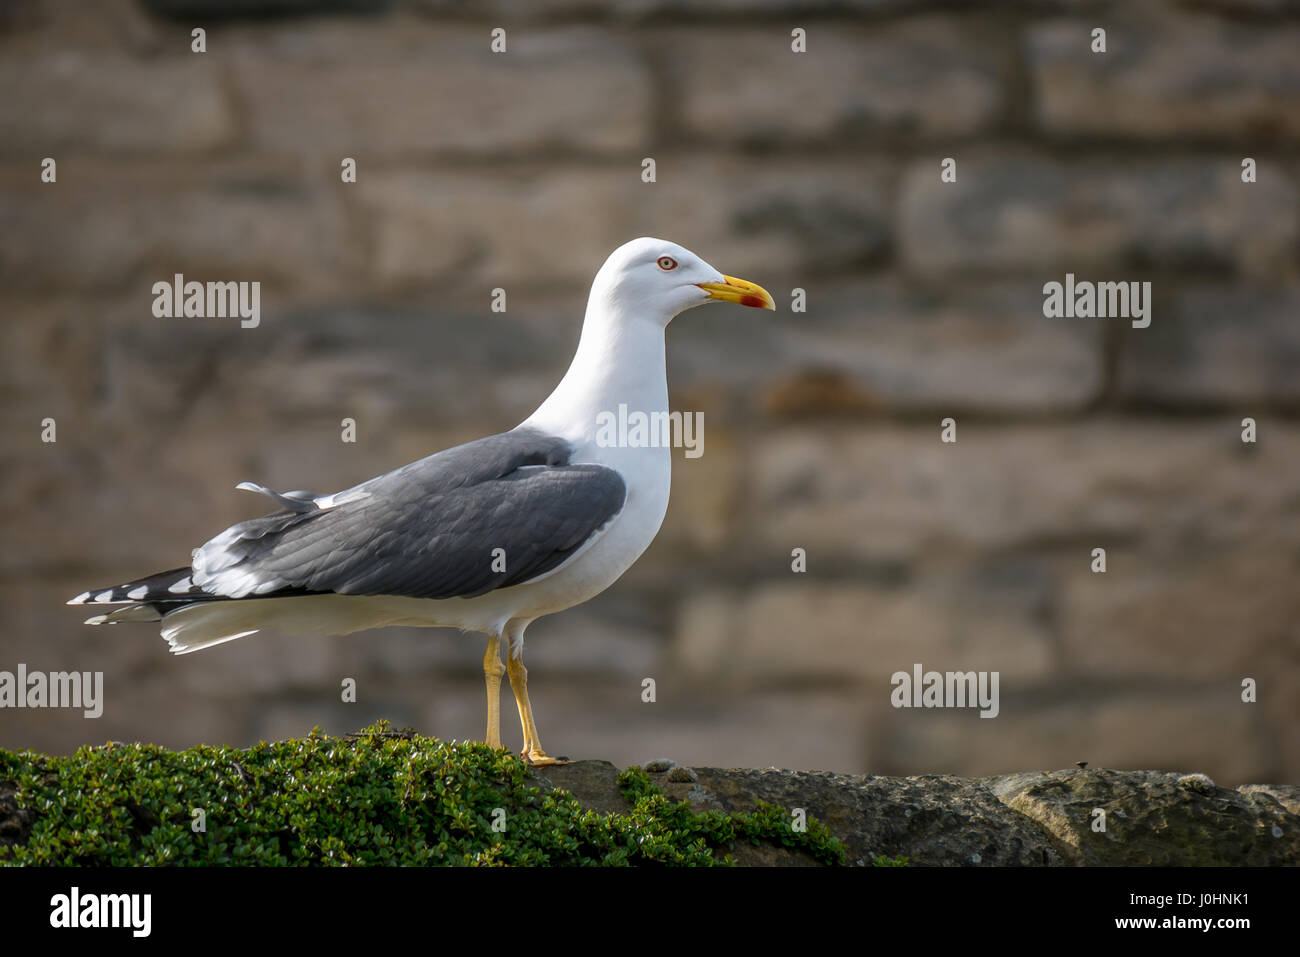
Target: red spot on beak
(754, 301)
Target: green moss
(377, 798)
(672, 833)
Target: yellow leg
(532, 752)
(492, 672)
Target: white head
(620, 357)
(655, 279)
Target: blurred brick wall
(818, 170)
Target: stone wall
(820, 170)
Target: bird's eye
(667, 262)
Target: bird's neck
(620, 361)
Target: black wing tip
(161, 586)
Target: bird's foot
(540, 759)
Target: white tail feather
(205, 624)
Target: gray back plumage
(426, 530)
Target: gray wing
(426, 530)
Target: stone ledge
(1031, 818)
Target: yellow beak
(740, 291)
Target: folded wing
(489, 514)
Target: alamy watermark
(1098, 300)
(210, 300)
(53, 689)
(651, 430)
(75, 909)
(946, 689)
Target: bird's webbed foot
(540, 759)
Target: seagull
(487, 536)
